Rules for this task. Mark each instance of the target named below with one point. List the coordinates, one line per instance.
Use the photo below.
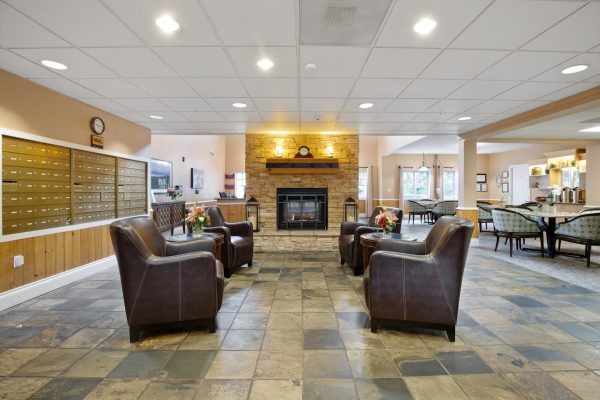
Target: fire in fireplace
(299, 208)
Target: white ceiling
(448, 144)
(486, 59)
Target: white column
(467, 179)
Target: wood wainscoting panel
(52, 254)
(470, 214)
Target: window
(363, 179)
(239, 185)
(450, 185)
(415, 184)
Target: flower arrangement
(174, 193)
(387, 220)
(197, 219)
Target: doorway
(519, 184)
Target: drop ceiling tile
(410, 105)
(143, 104)
(569, 91)
(276, 104)
(475, 118)
(192, 126)
(139, 15)
(530, 105)
(595, 50)
(271, 87)
(357, 117)
(67, 88)
(524, 65)
(316, 125)
(415, 126)
(22, 67)
(527, 20)
(255, 23)
(578, 32)
(325, 87)
(451, 17)
(453, 106)
(316, 116)
(154, 126)
(164, 87)
(432, 117)
(378, 105)
(132, 116)
(205, 116)
(480, 89)
(398, 63)
(449, 127)
(381, 126)
(186, 104)
(81, 22)
(106, 105)
(531, 90)
(221, 127)
(134, 62)
(462, 64)
(112, 88)
(495, 106)
(168, 116)
(379, 88)
(245, 59)
(197, 61)
(16, 30)
(225, 104)
(242, 116)
(395, 117)
(218, 87)
(321, 104)
(592, 60)
(333, 61)
(431, 88)
(279, 116)
(79, 64)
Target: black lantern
(253, 213)
(350, 210)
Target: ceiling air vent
(341, 22)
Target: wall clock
(303, 152)
(97, 125)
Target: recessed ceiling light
(155, 117)
(593, 129)
(424, 26)
(167, 24)
(54, 65)
(464, 118)
(574, 69)
(365, 105)
(310, 67)
(240, 105)
(265, 64)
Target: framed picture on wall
(197, 178)
(483, 187)
(481, 178)
(505, 174)
(478, 187)
(161, 175)
(505, 188)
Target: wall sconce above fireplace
(330, 151)
(278, 151)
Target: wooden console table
(169, 215)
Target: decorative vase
(198, 228)
(190, 229)
(387, 232)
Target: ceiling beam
(579, 142)
(578, 102)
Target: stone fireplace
(302, 209)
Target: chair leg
(134, 334)
(588, 251)
(212, 325)
(480, 227)
(542, 243)
(451, 334)
(342, 261)
(497, 240)
(506, 240)
(250, 263)
(559, 243)
(511, 245)
(374, 325)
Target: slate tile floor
(295, 327)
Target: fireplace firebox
(300, 208)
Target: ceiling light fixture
(464, 118)
(240, 105)
(423, 167)
(54, 65)
(365, 105)
(424, 26)
(167, 24)
(310, 67)
(593, 129)
(265, 64)
(156, 117)
(574, 69)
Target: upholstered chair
(165, 284)
(414, 208)
(447, 207)
(351, 251)
(514, 225)
(484, 215)
(418, 283)
(583, 229)
(238, 243)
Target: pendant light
(423, 167)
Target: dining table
(551, 216)
(428, 204)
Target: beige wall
(235, 153)
(592, 189)
(28, 107)
(197, 151)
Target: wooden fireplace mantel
(303, 165)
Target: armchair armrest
(403, 246)
(174, 248)
(223, 230)
(348, 227)
(240, 228)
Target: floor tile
(324, 339)
(142, 364)
(548, 358)
(353, 320)
(583, 383)
(95, 364)
(463, 362)
(13, 359)
(320, 364)
(233, 365)
(285, 321)
(283, 339)
(188, 364)
(524, 301)
(279, 365)
(66, 389)
(372, 364)
(243, 339)
(328, 389)
(434, 388)
(585, 354)
(486, 386)
(361, 339)
(171, 390)
(276, 389)
(579, 330)
(250, 321)
(382, 389)
(503, 358)
(429, 367)
(20, 388)
(319, 320)
(538, 386)
(218, 389)
(122, 389)
(51, 363)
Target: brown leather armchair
(418, 283)
(351, 251)
(165, 285)
(238, 242)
